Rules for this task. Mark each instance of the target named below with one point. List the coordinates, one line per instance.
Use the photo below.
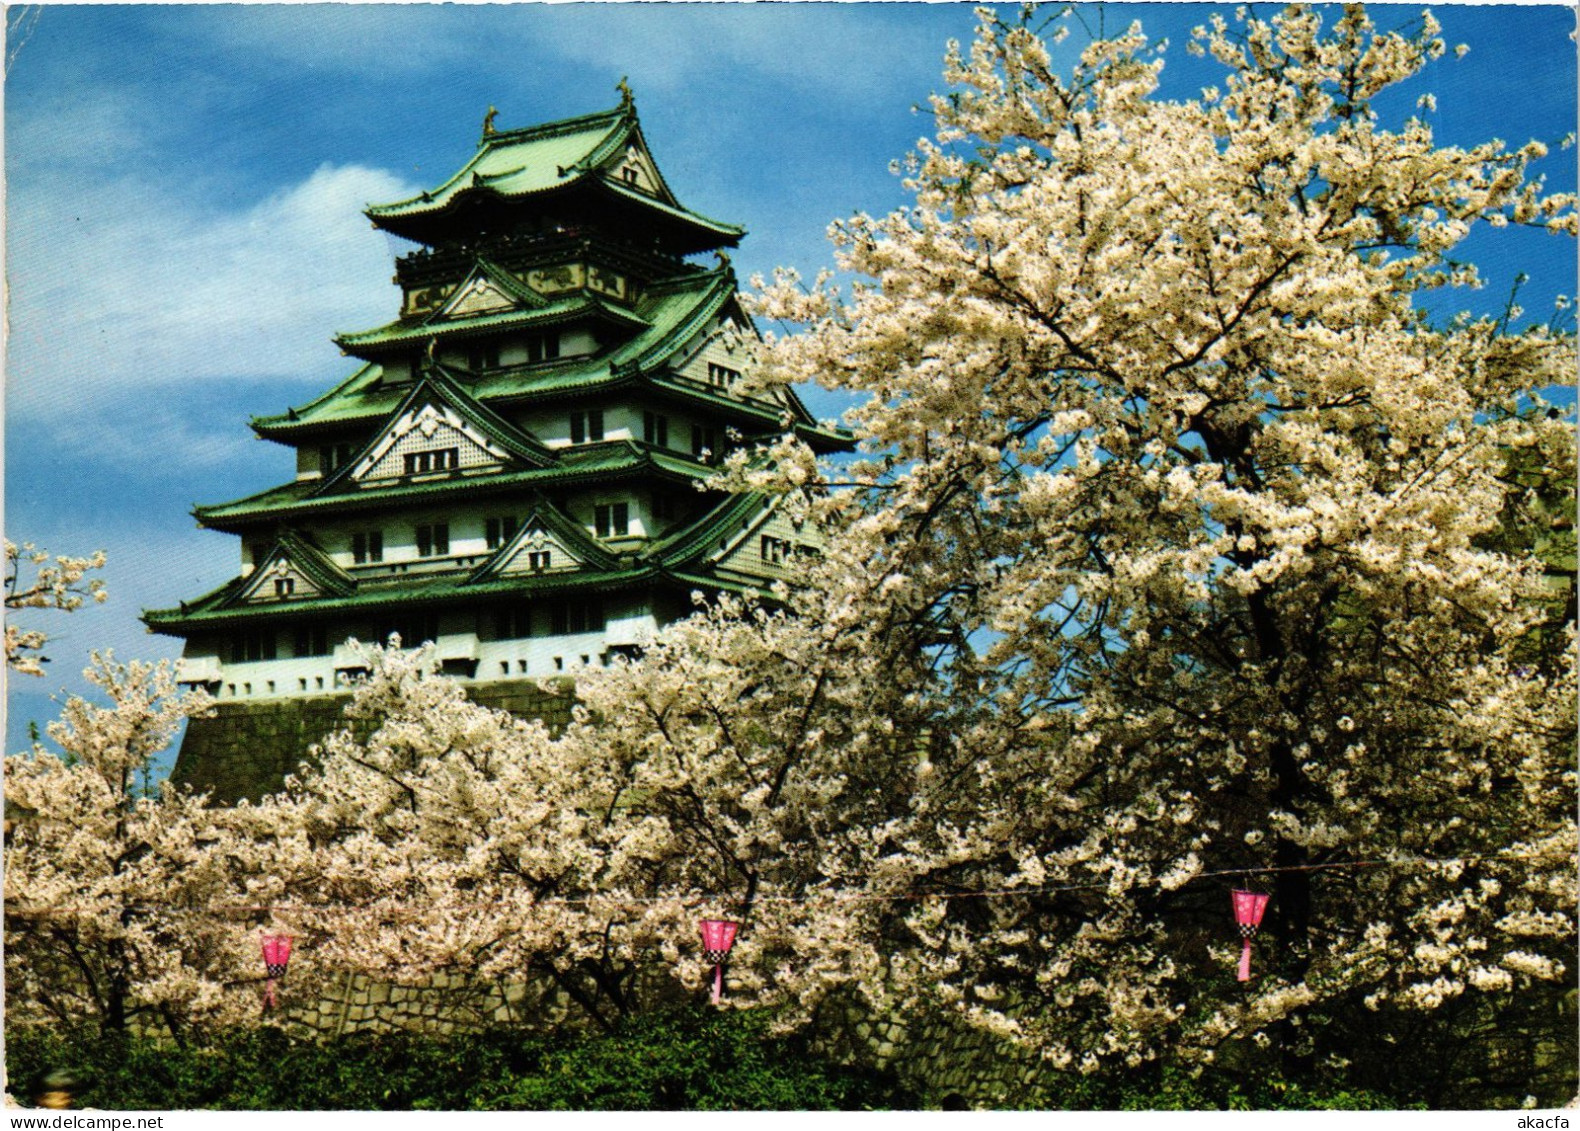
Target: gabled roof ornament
(626, 98)
(488, 123)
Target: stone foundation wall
(446, 1004)
(244, 750)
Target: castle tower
(518, 469)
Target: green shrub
(681, 1059)
(1173, 1089)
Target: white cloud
(123, 285)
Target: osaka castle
(518, 469)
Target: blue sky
(184, 186)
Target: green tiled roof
(407, 332)
(216, 611)
(681, 546)
(674, 311)
(606, 462)
(673, 558)
(364, 396)
(554, 156)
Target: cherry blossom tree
(121, 908)
(433, 835)
(61, 583)
(1190, 502)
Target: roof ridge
(683, 544)
(549, 129)
(492, 422)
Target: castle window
(284, 586)
(433, 540)
(512, 622)
(655, 429)
(612, 520)
(439, 459)
(542, 347)
(629, 175)
(367, 546)
(587, 427)
(250, 645)
(414, 629)
(665, 508)
(479, 358)
(722, 375)
(498, 531)
(773, 550)
(332, 457)
(704, 442)
(311, 640)
(539, 560)
(578, 616)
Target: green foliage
(708, 1062)
(1172, 1089)
(691, 1059)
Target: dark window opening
(587, 427)
(612, 520)
(439, 459)
(311, 640)
(498, 531)
(433, 540)
(332, 457)
(704, 443)
(367, 546)
(413, 629)
(251, 645)
(578, 616)
(543, 347)
(655, 429)
(479, 358)
(512, 622)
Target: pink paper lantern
(276, 957)
(1248, 909)
(718, 935)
